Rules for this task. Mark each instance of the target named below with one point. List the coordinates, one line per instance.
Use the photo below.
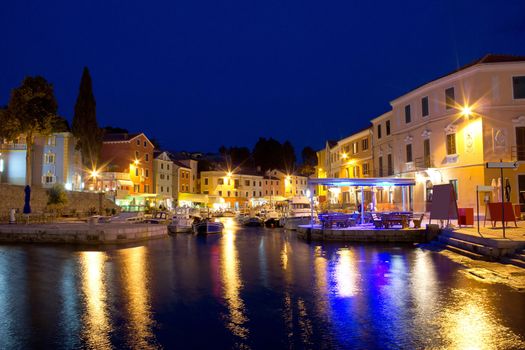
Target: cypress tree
(85, 126)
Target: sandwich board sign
(444, 205)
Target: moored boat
(182, 222)
(207, 226)
(299, 212)
(253, 221)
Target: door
(521, 191)
(428, 195)
(520, 143)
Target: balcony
(424, 162)
(13, 146)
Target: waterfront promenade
(81, 233)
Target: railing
(518, 153)
(13, 146)
(424, 162)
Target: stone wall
(12, 196)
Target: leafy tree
(85, 126)
(115, 130)
(268, 154)
(288, 157)
(309, 157)
(236, 156)
(31, 111)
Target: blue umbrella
(27, 199)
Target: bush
(56, 198)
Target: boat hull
(292, 223)
(204, 228)
(179, 229)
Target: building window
(246, 194)
(220, 193)
(247, 182)
(49, 158)
(161, 189)
(380, 167)
(220, 181)
(206, 181)
(450, 98)
(147, 172)
(236, 194)
(355, 147)
(387, 127)
(424, 106)
(51, 140)
(228, 193)
(167, 167)
(205, 192)
(408, 116)
(390, 165)
(254, 193)
(409, 152)
(364, 144)
(260, 194)
(146, 188)
(48, 179)
(167, 188)
(136, 188)
(236, 183)
(167, 177)
(147, 157)
(145, 144)
(138, 142)
(451, 144)
(365, 169)
(137, 155)
(260, 183)
(379, 131)
(518, 87)
(162, 166)
(136, 171)
(254, 184)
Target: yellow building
(351, 157)
(445, 130)
(235, 190)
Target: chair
(417, 222)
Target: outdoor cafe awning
(367, 181)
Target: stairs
(462, 247)
(517, 259)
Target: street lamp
(466, 111)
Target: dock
(81, 233)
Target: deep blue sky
(196, 74)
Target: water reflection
(232, 285)
(346, 273)
(135, 282)
(469, 323)
(96, 320)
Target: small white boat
(207, 226)
(299, 212)
(182, 221)
(159, 218)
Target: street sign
(502, 165)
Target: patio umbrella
(507, 190)
(27, 200)
(494, 190)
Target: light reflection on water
(96, 321)
(251, 288)
(232, 284)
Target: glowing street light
(466, 111)
(344, 155)
(136, 162)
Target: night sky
(197, 74)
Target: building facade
(163, 180)
(128, 158)
(236, 190)
(55, 160)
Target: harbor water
(250, 288)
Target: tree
(31, 111)
(309, 157)
(85, 126)
(115, 130)
(288, 157)
(56, 198)
(268, 154)
(236, 156)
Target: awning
(125, 182)
(367, 181)
(198, 198)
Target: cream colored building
(445, 130)
(163, 179)
(290, 185)
(351, 157)
(236, 190)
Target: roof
(119, 137)
(367, 181)
(487, 59)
